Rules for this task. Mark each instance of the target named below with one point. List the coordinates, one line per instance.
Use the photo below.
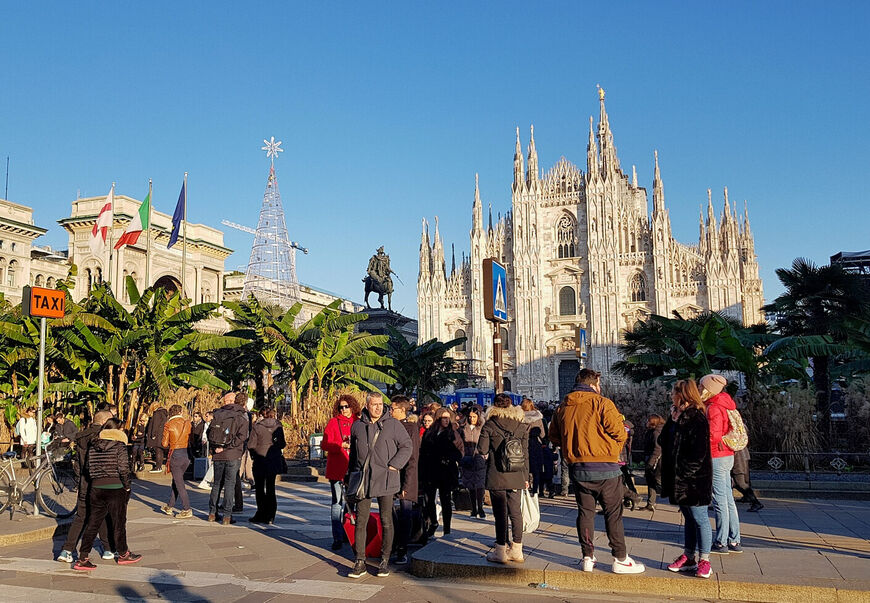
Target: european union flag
(178, 216)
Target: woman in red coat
(336, 445)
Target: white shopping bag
(531, 511)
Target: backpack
(510, 456)
(222, 430)
(737, 438)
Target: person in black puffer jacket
(154, 437)
(266, 446)
(504, 421)
(108, 466)
(652, 455)
(440, 452)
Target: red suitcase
(374, 532)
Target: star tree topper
(272, 148)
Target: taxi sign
(43, 303)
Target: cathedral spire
(746, 230)
(609, 160)
(476, 209)
(658, 187)
(519, 169)
(490, 217)
(438, 254)
(453, 260)
(634, 176)
(425, 252)
(591, 151)
(532, 174)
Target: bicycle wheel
(6, 490)
(57, 491)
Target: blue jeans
(337, 510)
(727, 520)
(698, 533)
(226, 474)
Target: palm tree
(421, 369)
(819, 301)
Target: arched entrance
(168, 283)
(568, 370)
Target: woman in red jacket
(336, 445)
(727, 537)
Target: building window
(462, 347)
(566, 237)
(637, 288)
(10, 273)
(49, 282)
(567, 301)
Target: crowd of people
(421, 464)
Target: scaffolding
(271, 273)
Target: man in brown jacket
(590, 432)
(176, 435)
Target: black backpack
(222, 430)
(510, 456)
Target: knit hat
(714, 383)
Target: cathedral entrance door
(568, 370)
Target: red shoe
(684, 564)
(129, 558)
(84, 565)
(704, 569)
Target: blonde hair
(686, 392)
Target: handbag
(531, 511)
(357, 480)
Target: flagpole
(111, 229)
(148, 240)
(184, 241)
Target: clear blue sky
(387, 110)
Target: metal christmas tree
(271, 272)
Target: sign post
(495, 310)
(42, 303)
(580, 346)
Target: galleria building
(582, 251)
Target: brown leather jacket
(176, 433)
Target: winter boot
(498, 554)
(515, 552)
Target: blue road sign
(495, 291)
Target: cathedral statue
(378, 278)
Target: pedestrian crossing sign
(494, 291)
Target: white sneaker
(65, 557)
(204, 486)
(589, 563)
(108, 555)
(627, 566)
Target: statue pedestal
(379, 320)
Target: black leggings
(506, 503)
(446, 506)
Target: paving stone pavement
(192, 560)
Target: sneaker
(212, 518)
(384, 569)
(204, 486)
(108, 555)
(84, 565)
(481, 514)
(65, 557)
(168, 510)
(627, 566)
(228, 520)
(156, 470)
(719, 549)
(684, 564)
(185, 514)
(359, 569)
(755, 507)
(704, 569)
(402, 559)
(589, 563)
(735, 548)
(129, 558)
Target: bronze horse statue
(374, 286)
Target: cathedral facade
(582, 251)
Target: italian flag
(139, 223)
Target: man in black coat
(154, 437)
(64, 429)
(408, 494)
(386, 456)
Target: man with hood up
(387, 456)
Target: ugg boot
(515, 552)
(498, 554)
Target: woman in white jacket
(27, 432)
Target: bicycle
(54, 483)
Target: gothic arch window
(567, 301)
(503, 335)
(462, 347)
(49, 282)
(10, 273)
(2, 270)
(40, 280)
(637, 288)
(566, 237)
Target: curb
(44, 533)
(643, 585)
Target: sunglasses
(343, 406)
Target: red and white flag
(100, 231)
